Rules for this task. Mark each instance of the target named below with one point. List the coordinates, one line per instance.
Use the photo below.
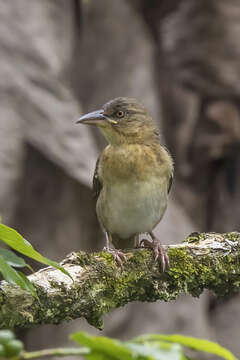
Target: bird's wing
(170, 183)
(97, 185)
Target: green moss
(83, 259)
(195, 237)
(104, 285)
(233, 236)
(107, 257)
(192, 274)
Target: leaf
(29, 285)
(157, 350)
(14, 277)
(192, 343)
(102, 347)
(12, 259)
(13, 239)
(98, 356)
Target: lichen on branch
(203, 261)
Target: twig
(54, 352)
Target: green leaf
(102, 347)
(13, 239)
(98, 356)
(156, 351)
(29, 285)
(12, 259)
(14, 277)
(6, 336)
(192, 343)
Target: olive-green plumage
(133, 174)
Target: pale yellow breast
(135, 182)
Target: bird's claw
(119, 256)
(158, 251)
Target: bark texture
(202, 261)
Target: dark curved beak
(92, 118)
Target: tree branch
(203, 261)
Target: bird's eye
(120, 114)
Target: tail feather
(119, 243)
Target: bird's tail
(119, 243)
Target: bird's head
(122, 120)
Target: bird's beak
(93, 118)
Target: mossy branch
(203, 261)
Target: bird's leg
(118, 255)
(158, 250)
(137, 242)
(107, 241)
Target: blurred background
(60, 59)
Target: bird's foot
(119, 256)
(158, 251)
(138, 243)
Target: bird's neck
(142, 136)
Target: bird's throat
(120, 135)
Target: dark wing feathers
(170, 183)
(97, 185)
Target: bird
(132, 178)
